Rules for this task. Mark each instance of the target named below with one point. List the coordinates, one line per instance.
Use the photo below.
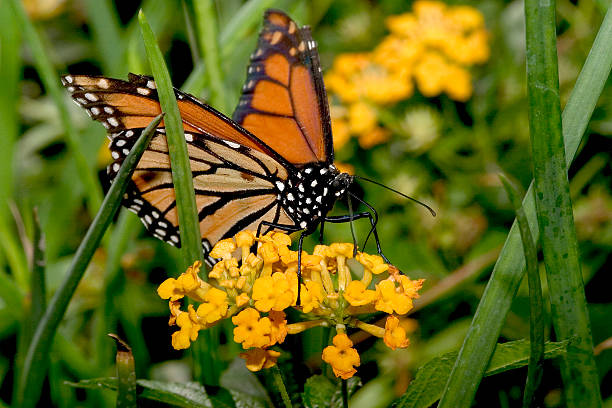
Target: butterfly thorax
(310, 193)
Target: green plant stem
(484, 330)
(33, 374)
(206, 22)
(344, 386)
(536, 304)
(280, 385)
(554, 208)
(50, 80)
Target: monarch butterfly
(270, 167)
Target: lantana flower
(430, 49)
(255, 287)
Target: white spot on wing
(231, 144)
(143, 91)
(91, 97)
(113, 121)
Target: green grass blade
(242, 23)
(536, 303)
(508, 271)
(33, 373)
(554, 208)
(206, 22)
(10, 72)
(51, 82)
(107, 36)
(191, 240)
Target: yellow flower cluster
(432, 47)
(254, 289)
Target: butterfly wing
(133, 104)
(283, 101)
(235, 183)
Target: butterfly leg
(321, 231)
(289, 228)
(338, 219)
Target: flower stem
(280, 384)
(344, 394)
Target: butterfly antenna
(431, 210)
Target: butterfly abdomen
(310, 193)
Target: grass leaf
(554, 208)
(206, 22)
(536, 304)
(189, 225)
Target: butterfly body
(310, 193)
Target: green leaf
(508, 272)
(430, 379)
(536, 303)
(318, 392)
(33, 374)
(207, 27)
(189, 226)
(554, 208)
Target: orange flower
(342, 357)
(258, 358)
(395, 335)
(250, 330)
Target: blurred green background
(439, 148)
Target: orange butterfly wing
(283, 102)
(133, 104)
(234, 176)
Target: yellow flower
(410, 287)
(377, 136)
(389, 300)
(250, 330)
(341, 132)
(430, 74)
(362, 118)
(214, 307)
(465, 17)
(342, 357)
(189, 328)
(405, 25)
(312, 296)
(358, 295)
(258, 358)
(272, 292)
(223, 248)
(395, 335)
(373, 263)
(188, 283)
(278, 330)
(458, 83)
